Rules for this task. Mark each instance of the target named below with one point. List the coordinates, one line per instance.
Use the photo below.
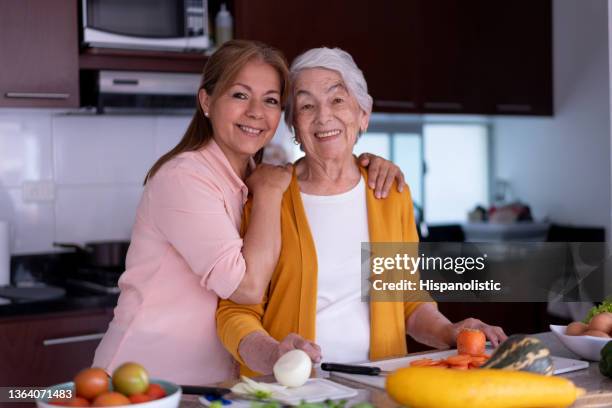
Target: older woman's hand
(381, 174)
(295, 341)
(260, 351)
(494, 333)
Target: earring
(206, 114)
(296, 142)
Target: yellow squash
(431, 387)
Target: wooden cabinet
(440, 56)
(517, 55)
(39, 53)
(449, 56)
(378, 38)
(43, 350)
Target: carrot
(460, 359)
(422, 362)
(471, 342)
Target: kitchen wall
(73, 177)
(76, 178)
(561, 165)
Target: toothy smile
(327, 133)
(250, 130)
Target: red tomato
(138, 398)
(110, 399)
(156, 391)
(91, 382)
(78, 402)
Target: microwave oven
(175, 25)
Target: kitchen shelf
(140, 60)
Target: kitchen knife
(354, 369)
(212, 391)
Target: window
(457, 176)
(446, 164)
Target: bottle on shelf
(224, 25)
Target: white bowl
(171, 400)
(587, 347)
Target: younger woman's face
(245, 116)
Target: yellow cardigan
(290, 303)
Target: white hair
(333, 59)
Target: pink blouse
(185, 254)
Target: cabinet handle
(126, 81)
(73, 339)
(36, 95)
(455, 106)
(509, 107)
(395, 104)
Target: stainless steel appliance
(178, 25)
(134, 90)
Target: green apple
(130, 379)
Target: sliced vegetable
(428, 387)
(521, 353)
(256, 389)
(459, 359)
(421, 362)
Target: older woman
(313, 301)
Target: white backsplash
(96, 165)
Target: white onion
(293, 368)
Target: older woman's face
(327, 118)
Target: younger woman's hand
(269, 179)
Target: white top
(339, 223)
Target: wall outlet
(38, 191)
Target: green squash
(522, 353)
(605, 364)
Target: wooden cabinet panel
(39, 53)
(450, 56)
(46, 350)
(518, 56)
(429, 56)
(382, 40)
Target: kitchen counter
(73, 300)
(599, 388)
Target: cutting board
(315, 390)
(562, 365)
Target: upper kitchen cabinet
(517, 56)
(427, 56)
(449, 55)
(381, 39)
(39, 53)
